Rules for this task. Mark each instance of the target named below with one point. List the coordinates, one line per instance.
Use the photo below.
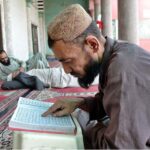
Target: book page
(35, 103)
(28, 116)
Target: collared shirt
(124, 97)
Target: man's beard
(91, 71)
(7, 63)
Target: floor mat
(8, 102)
(46, 95)
(54, 94)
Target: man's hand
(64, 107)
(21, 69)
(14, 74)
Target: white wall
(17, 19)
(18, 27)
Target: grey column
(128, 20)
(8, 27)
(42, 41)
(96, 8)
(106, 10)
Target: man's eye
(67, 61)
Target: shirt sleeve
(95, 107)
(126, 104)
(126, 101)
(104, 136)
(4, 76)
(9, 77)
(21, 63)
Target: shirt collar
(108, 49)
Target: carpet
(8, 102)
(54, 94)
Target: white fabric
(56, 77)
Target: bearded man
(124, 83)
(10, 67)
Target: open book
(27, 117)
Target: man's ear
(93, 43)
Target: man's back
(127, 92)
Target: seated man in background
(124, 94)
(50, 77)
(36, 66)
(57, 78)
(10, 67)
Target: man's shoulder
(13, 59)
(123, 55)
(121, 45)
(126, 56)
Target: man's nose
(67, 69)
(5, 59)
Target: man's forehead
(63, 49)
(58, 44)
(3, 54)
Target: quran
(27, 117)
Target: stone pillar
(96, 9)
(106, 11)
(91, 8)
(42, 32)
(128, 20)
(8, 27)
